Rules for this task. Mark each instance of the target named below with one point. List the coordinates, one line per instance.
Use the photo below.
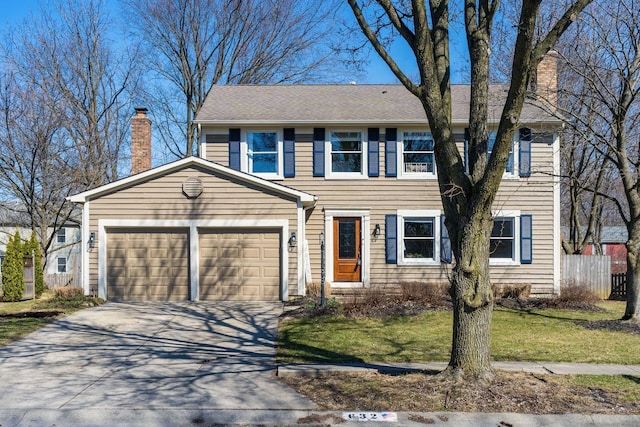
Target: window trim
(244, 153)
(515, 151)
(364, 152)
(515, 260)
(401, 174)
(64, 235)
(431, 213)
(66, 267)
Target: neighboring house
(285, 165)
(63, 255)
(613, 242)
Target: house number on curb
(371, 416)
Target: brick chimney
(140, 142)
(545, 82)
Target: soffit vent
(192, 188)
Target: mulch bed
(26, 314)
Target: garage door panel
(235, 265)
(147, 265)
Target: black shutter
(391, 240)
(445, 243)
(466, 149)
(234, 149)
(318, 151)
(289, 152)
(374, 151)
(526, 239)
(525, 152)
(390, 155)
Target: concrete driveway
(148, 356)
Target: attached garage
(193, 230)
(149, 265)
(240, 264)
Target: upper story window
(346, 155)
(416, 157)
(61, 236)
(262, 154)
(510, 169)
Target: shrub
(313, 289)
(13, 270)
(519, 292)
(576, 293)
(33, 247)
(436, 294)
(68, 293)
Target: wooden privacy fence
(592, 271)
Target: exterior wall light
(376, 230)
(292, 240)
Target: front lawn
(18, 319)
(517, 334)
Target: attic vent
(192, 188)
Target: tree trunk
(632, 310)
(472, 300)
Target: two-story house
(284, 167)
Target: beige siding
(222, 199)
(383, 195)
(217, 148)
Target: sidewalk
(533, 367)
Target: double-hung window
(417, 155)
(346, 155)
(510, 169)
(263, 154)
(62, 264)
(511, 239)
(503, 238)
(418, 233)
(61, 236)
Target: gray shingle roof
(256, 104)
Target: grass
(533, 335)
(18, 319)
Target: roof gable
(305, 198)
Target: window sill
(503, 262)
(421, 262)
(345, 176)
(419, 177)
(268, 176)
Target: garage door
(240, 265)
(149, 265)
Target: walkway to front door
(347, 249)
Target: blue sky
(13, 11)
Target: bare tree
(194, 44)
(605, 56)
(425, 28)
(66, 109)
(33, 159)
(65, 53)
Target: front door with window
(347, 249)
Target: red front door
(347, 256)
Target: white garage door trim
(104, 225)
